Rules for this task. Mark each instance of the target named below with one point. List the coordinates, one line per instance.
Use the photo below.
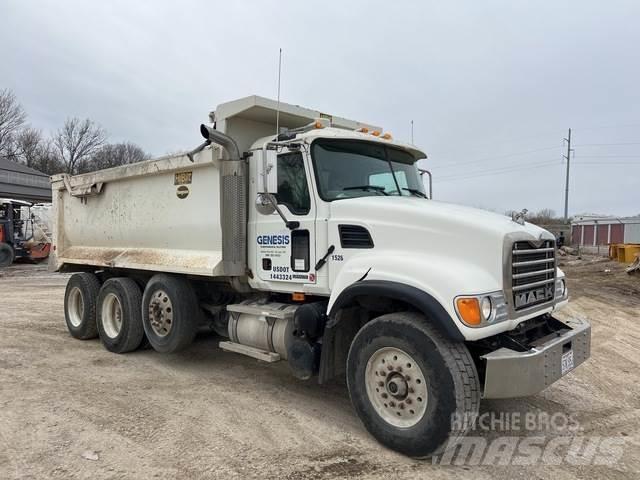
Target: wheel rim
(111, 315)
(75, 306)
(396, 387)
(161, 313)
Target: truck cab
(312, 240)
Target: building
(593, 231)
(20, 182)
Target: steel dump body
(161, 215)
(169, 214)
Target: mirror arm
(291, 224)
(422, 172)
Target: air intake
(354, 236)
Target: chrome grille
(533, 272)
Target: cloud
(481, 80)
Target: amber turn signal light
(469, 310)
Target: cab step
(252, 352)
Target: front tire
(80, 299)
(7, 255)
(119, 316)
(415, 390)
(169, 313)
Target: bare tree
(545, 213)
(12, 119)
(544, 217)
(114, 155)
(28, 143)
(76, 142)
(35, 151)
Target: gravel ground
(70, 409)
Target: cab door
(286, 258)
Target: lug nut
(392, 404)
(384, 395)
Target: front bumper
(519, 374)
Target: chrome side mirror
(264, 204)
(267, 163)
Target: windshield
(352, 168)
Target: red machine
(20, 236)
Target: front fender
(439, 278)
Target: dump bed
(160, 215)
(171, 215)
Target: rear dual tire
(80, 304)
(119, 318)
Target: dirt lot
(70, 409)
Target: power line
(516, 168)
(605, 163)
(496, 157)
(604, 127)
(605, 144)
(573, 159)
(498, 171)
(608, 156)
(514, 140)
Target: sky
(492, 87)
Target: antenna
(412, 133)
(278, 107)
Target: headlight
(486, 308)
(481, 310)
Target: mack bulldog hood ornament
(519, 217)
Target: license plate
(566, 362)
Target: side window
(293, 190)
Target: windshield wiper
(368, 188)
(417, 192)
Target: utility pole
(566, 188)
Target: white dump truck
(309, 239)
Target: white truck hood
(432, 216)
(425, 227)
